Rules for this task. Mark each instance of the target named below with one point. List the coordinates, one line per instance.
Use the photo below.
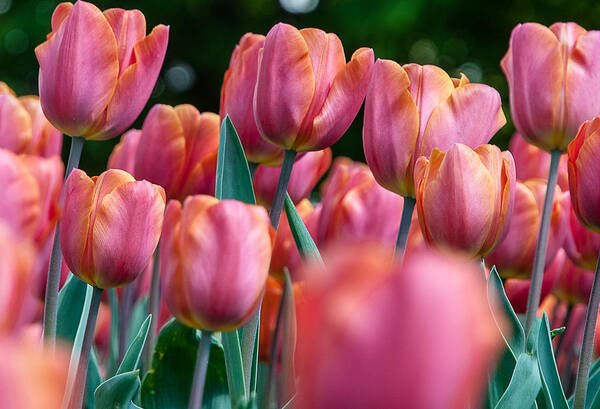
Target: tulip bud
(552, 78)
(514, 255)
(214, 261)
(98, 69)
(583, 174)
(314, 110)
(411, 110)
(582, 245)
(179, 150)
(465, 197)
(237, 95)
(111, 226)
(307, 171)
(344, 325)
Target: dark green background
(469, 36)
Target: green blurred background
(468, 36)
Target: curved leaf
(306, 246)
(118, 391)
(134, 352)
(551, 385)
(524, 385)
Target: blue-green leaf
(524, 385)
(551, 385)
(134, 352)
(304, 242)
(235, 369)
(118, 391)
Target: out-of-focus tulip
(411, 110)
(307, 171)
(314, 110)
(517, 290)
(552, 75)
(582, 245)
(584, 169)
(98, 69)
(237, 97)
(514, 255)
(532, 162)
(465, 197)
(31, 378)
(214, 261)
(344, 326)
(23, 126)
(574, 284)
(111, 226)
(178, 152)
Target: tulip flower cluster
(178, 266)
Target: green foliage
(304, 242)
(118, 391)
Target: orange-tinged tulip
(552, 75)
(582, 245)
(111, 226)
(412, 109)
(574, 284)
(465, 197)
(98, 69)
(307, 171)
(584, 169)
(178, 150)
(237, 96)
(312, 111)
(344, 325)
(513, 257)
(214, 261)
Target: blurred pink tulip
(471, 213)
(513, 257)
(582, 245)
(98, 69)
(344, 325)
(111, 226)
(214, 261)
(237, 95)
(413, 109)
(574, 284)
(307, 171)
(553, 77)
(312, 111)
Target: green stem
(249, 338)
(585, 356)
(284, 179)
(252, 168)
(200, 371)
(76, 400)
(114, 329)
(153, 309)
(124, 318)
(234, 368)
(405, 219)
(533, 300)
(483, 268)
(53, 281)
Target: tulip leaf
(168, 384)
(524, 385)
(304, 242)
(233, 175)
(551, 385)
(556, 332)
(131, 359)
(118, 391)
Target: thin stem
(248, 340)
(252, 168)
(405, 219)
(154, 309)
(114, 329)
(53, 281)
(565, 324)
(200, 371)
(585, 356)
(76, 400)
(483, 268)
(124, 318)
(284, 179)
(533, 300)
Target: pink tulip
(584, 169)
(514, 255)
(214, 261)
(111, 226)
(467, 213)
(306, 94)
(582, 245)
(306, 173)
(178, 150)
(237, 94)
(98, 69)
(413, 109)
(574, 284)
(344, 325)
(553, 76)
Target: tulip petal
(345, 97)
(60, 14)
(15, 124)
(586, 195)
(390, 129)
(124, 153)
(129, 27)
(280, 104)
(78, 70)
(136, 83)
(122, 243)
(46, 140)
(471, 116)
